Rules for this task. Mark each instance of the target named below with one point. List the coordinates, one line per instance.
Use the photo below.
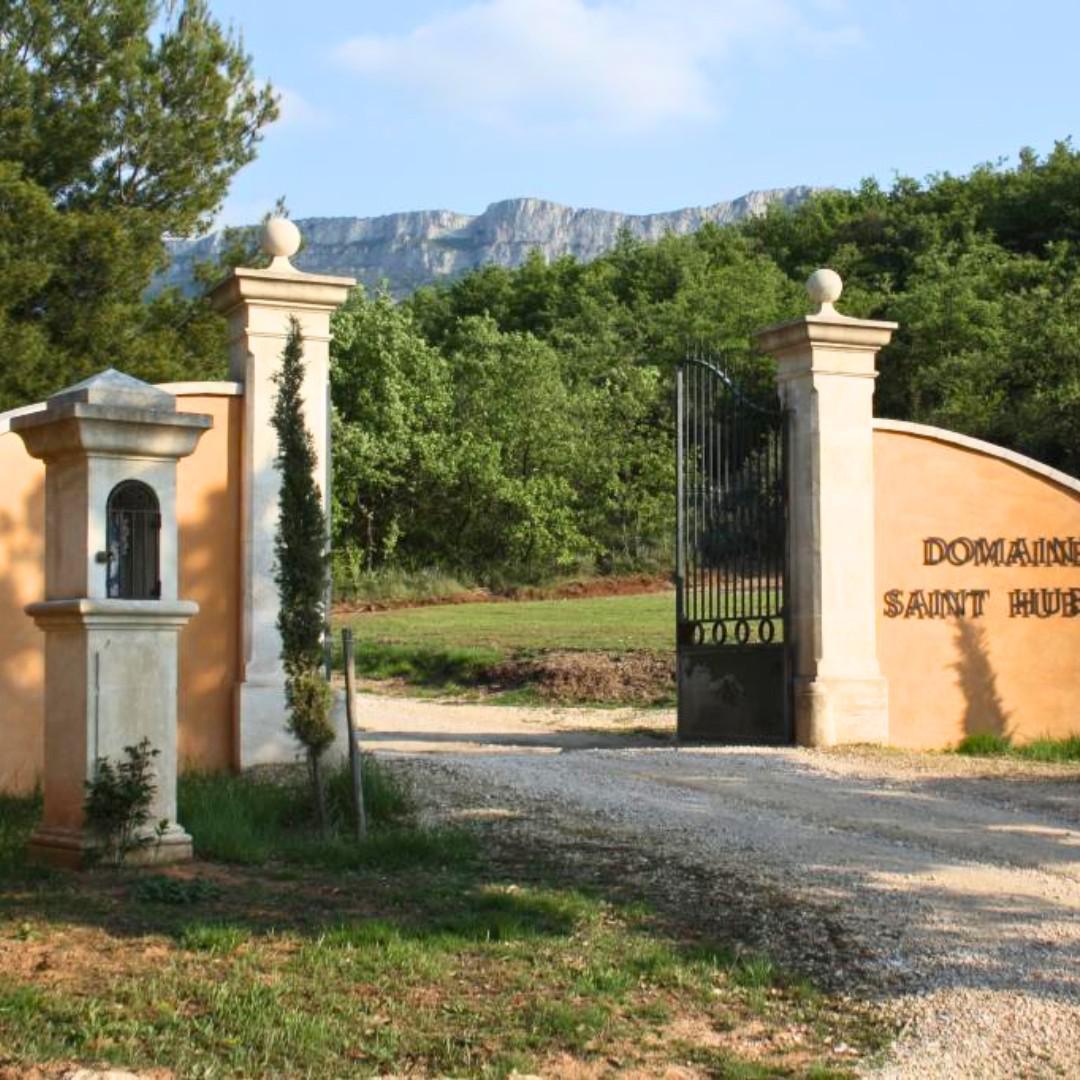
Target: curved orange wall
(208, 508)
(949, 677)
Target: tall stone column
(826, 381)
(258, 305)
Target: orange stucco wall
(22, 647)
(208, 512)
(951, 676)
(208, 508)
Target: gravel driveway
(948, 888)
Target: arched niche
(134, 542)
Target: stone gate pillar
(826, 381)
(111, 613)
(258, 305)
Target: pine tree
(121, 122)
(301, 571)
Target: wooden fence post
(359, 815)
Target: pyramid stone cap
(110, 414)
(114, 388)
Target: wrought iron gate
(731, 639)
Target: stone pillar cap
(110, 414)
(825, 326)
(112, 387)
(280, 284)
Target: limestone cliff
(413, 249)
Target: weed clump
(267, 816)
(984, 743)
(987, 744)
(159, 889)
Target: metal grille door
(732, 644)
(134, 541)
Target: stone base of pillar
(833, 711)
(263, 737)
(74, 849)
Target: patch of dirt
(60, 1070)
(566, 677)
(633, 585)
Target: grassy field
(607, 650)
(423, 952)
(604, 624)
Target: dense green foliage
(983, 275)
(518, 424)
(109, 140)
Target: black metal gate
(731, 633)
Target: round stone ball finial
(824, 287)
(280, 239)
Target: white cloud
(627, 65)
(298, 112)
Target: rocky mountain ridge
(416, 248)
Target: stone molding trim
(290, 291)
(177, 389)
(203, 389)
(113, 614)
(979, 446)
(22, 410)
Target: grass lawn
(424, 952)
(488, 651)
(603, 624)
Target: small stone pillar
(111, 615)
(826, 381)
(258, 305)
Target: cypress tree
(301, 566)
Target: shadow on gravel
(870, 882)
(577, 739)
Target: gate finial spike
(824, 287)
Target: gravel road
(946, 888)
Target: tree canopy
(120, 122)
(518, 423)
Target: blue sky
(640, 105)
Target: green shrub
(117, 805)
